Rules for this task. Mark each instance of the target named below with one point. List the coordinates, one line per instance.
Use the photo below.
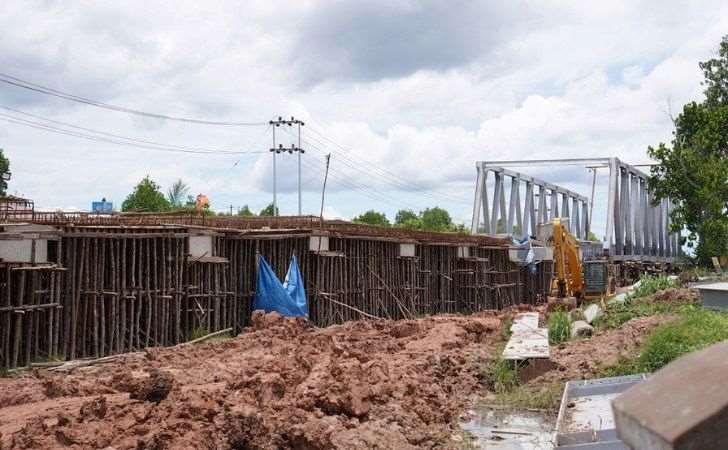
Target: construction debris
(581, 328)
(592, 313)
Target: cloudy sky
(405, 95)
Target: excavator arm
(569, 279)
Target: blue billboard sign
(102, 207)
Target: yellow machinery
(569, 281)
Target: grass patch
(649, 284)
(624, 366)
(696, 329)
(506, 323)
(616, 315)
(536, 396)
(198, 332)
(50, 358)
(219, 337)
(499, 375)
(559, 327)
(640, 304)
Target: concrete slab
(714, 295)
(511, 430)
(585, 418)
(525, 322)
(527, 339)
(682, 406)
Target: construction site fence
(109, 291)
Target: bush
(649, 284)
(559, 327)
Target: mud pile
(281, 384)
(675, 295)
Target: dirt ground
(283, 384)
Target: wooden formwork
(113, 289)
(30, 313)
(124, 290)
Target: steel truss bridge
(637, 228)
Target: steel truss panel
(505, 215)
(637, 228)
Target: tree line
(429, 219)
(147, 196)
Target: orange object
(202, 201)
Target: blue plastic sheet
(287, 298)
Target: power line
(17, 82)
(375, 171)
(130, 142)
(374, 195)
(112, 135)
(353, 165)
(366, 190)
(406, 184)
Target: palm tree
(177, 193)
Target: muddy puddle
(511, 430)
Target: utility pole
(275, 150)
(323, 193)
(300, 151)
(274, 124)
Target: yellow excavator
(569, 281)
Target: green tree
(246, 212)
(436, 219)
(4, 169)
(372, 217)
(268, 211)
(406, 218)
(715, 71)
(177, 193)
(693, 169)
(146, 197)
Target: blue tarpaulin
(287, 298)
